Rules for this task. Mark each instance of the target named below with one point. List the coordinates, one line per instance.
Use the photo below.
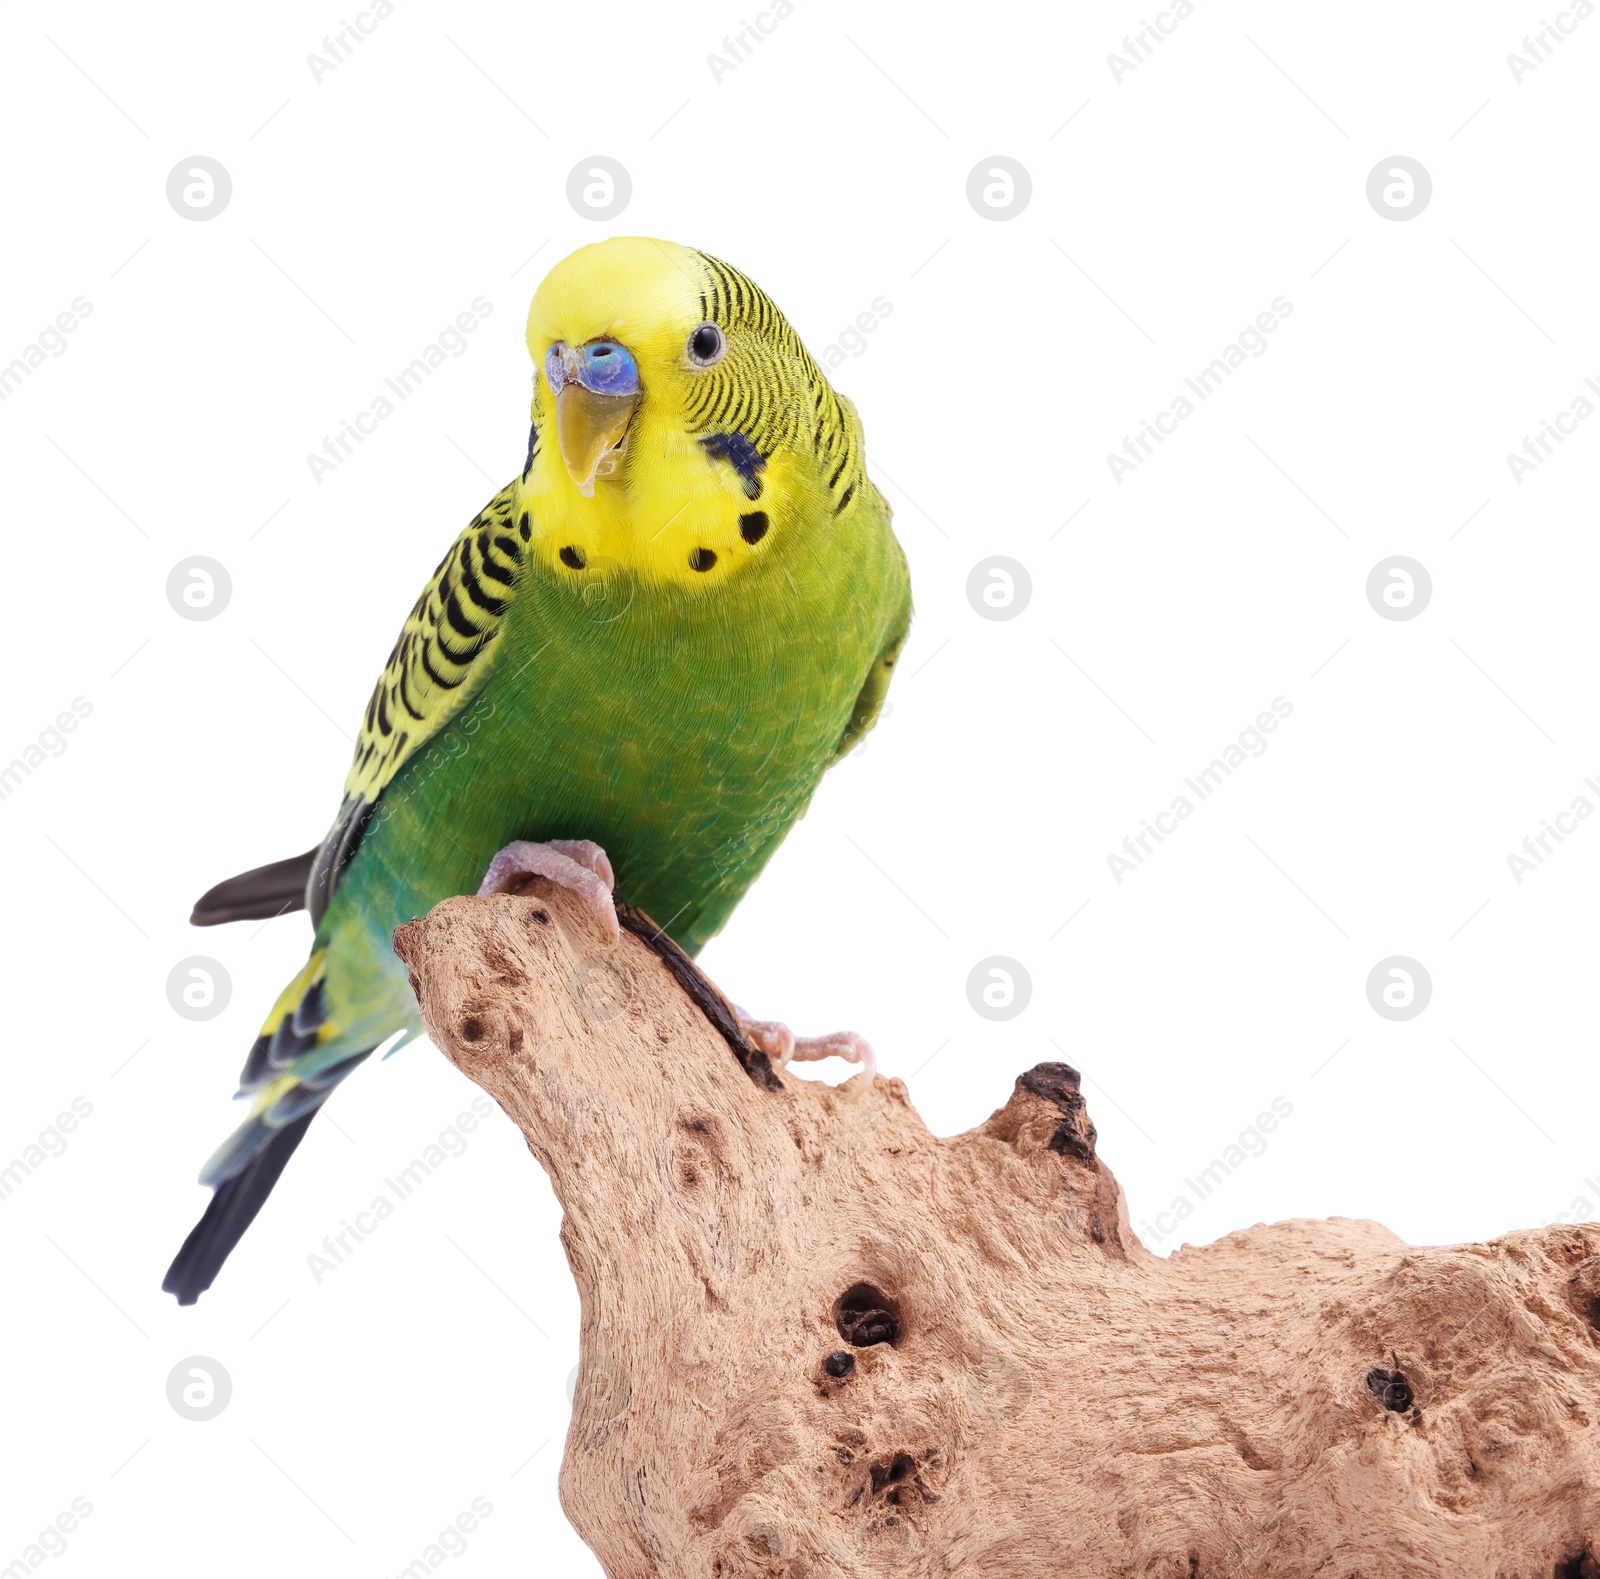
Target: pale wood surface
(1056, 1400)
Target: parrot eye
(707, 345)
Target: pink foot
(578, 864)
(782, 1046)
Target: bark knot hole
(1390, 1388)
(1583, 1291)
(865, 1315)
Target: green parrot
(630, 671)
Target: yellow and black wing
(444, 653)
(439, 659)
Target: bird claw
(582, 866)
(783, 1047)
(578, 864)
(771, 1037)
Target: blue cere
(603, 367)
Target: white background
(1167, 610)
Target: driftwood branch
(818, 1341)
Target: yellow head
(679, 426)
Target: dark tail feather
(233, 1208)
(258, 894)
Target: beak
(588, 429)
